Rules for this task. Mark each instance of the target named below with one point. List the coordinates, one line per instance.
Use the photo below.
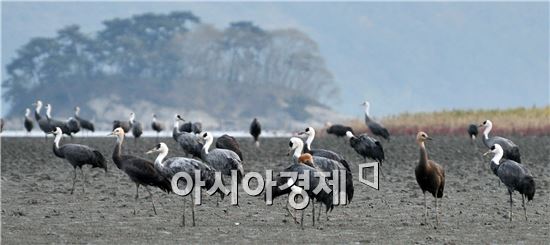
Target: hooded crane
(157, 126)
(28, 120)
(85, 124)
(255, 131)
(73, 125)
(230, 143)
(310, 133)
(137, 129)
(338, 129)
(222, 160)
(429, 175)
(57, 123)
(375, 127)
(189, 142)
(367, 147)
(141, 171)
(169, 167)
(472, 132)
(515, 176)
(191, 127)
(78, 155)
(323, 164)
(286, 185)
(125, 125)
(511, 150)
(43, 123)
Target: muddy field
(37, 206)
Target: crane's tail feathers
(100, 160)
(527, 186)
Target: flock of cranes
(227, 157)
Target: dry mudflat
(37, 206)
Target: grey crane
(73, 125)
(57, 123)
(338, 129)
(375, 127)
(78, 156)
(197, 127)
(169, 167)
(515, 176)
(472, 132)
(511, 150)
(189, 142)
(125, 125)
(157, 126)
(325, 165)
(141, 171)
(255, 131)
(367, 147)
(430, 176)
(310, 133)
(285, 185)
(43, 122)
(85, 124)
(230, 143)
(222, 160)
(137, 129)
(28, 121)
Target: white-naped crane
(511, 150)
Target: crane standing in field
(85, 124)
(255, 131)
(28, 121)
(511, 150)
(375, 127)
(429, 175)
(157, 126)
(472, 132)
(515, 176)
(78, 156)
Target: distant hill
(173, 63)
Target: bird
(125, 125)
(222, 160)
(304, 165)
(472, 132)
(85, 124)
(310, 133)
(28, 120)
(338, 129)
(73, 125)
(141, 171)
(255, 131)
(323, 164)
(230, 143)
(78, 155)
(375, 127)
(171, 166)
(137, 129)
(43, 122)
(2, 125)
(367, 147)
(57, 123)
(515, 176)
(186, 127)
(157, 126)
(430, 176)
(189, 142)
(511, 150)
(197, 127)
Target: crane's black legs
(290, 213)
(524, 208)
(313, 212)
(320, 208)
(425, 209)
(74, 181)
(183, 216)
(436, 216)
(511, 204)
(152, 200)
(83, 180)
(193, 209)
(136, 197)
(302, 219)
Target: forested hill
(168, 63)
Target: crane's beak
(151, 151)
(301, 133)
(428, 138)
(486, 153)
(112, 133)
(289, 151)
(479, 126)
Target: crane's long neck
(154, 119)
(497, 157)
(309, 140)
(117, 155)
(298, 151)
(207, 144)
(367, 111)
(27, 113)
(56, 150)
(37, 112)
(487, 130)
(423, 154)
(49, 112)
(175, 130)
(160, 158)
(77, 112)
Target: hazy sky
(400, 56)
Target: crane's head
(308, 131)
(365, 104)
(206, 136)
(486, 123)
(306, 159)
(179, 117)
(496, 148)
(154, 115)
(160, 147)
(56, 131)
(118, 132)
(422, 137)
(349, 134)
(293, 144)
(38, 103)
(27, 111)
